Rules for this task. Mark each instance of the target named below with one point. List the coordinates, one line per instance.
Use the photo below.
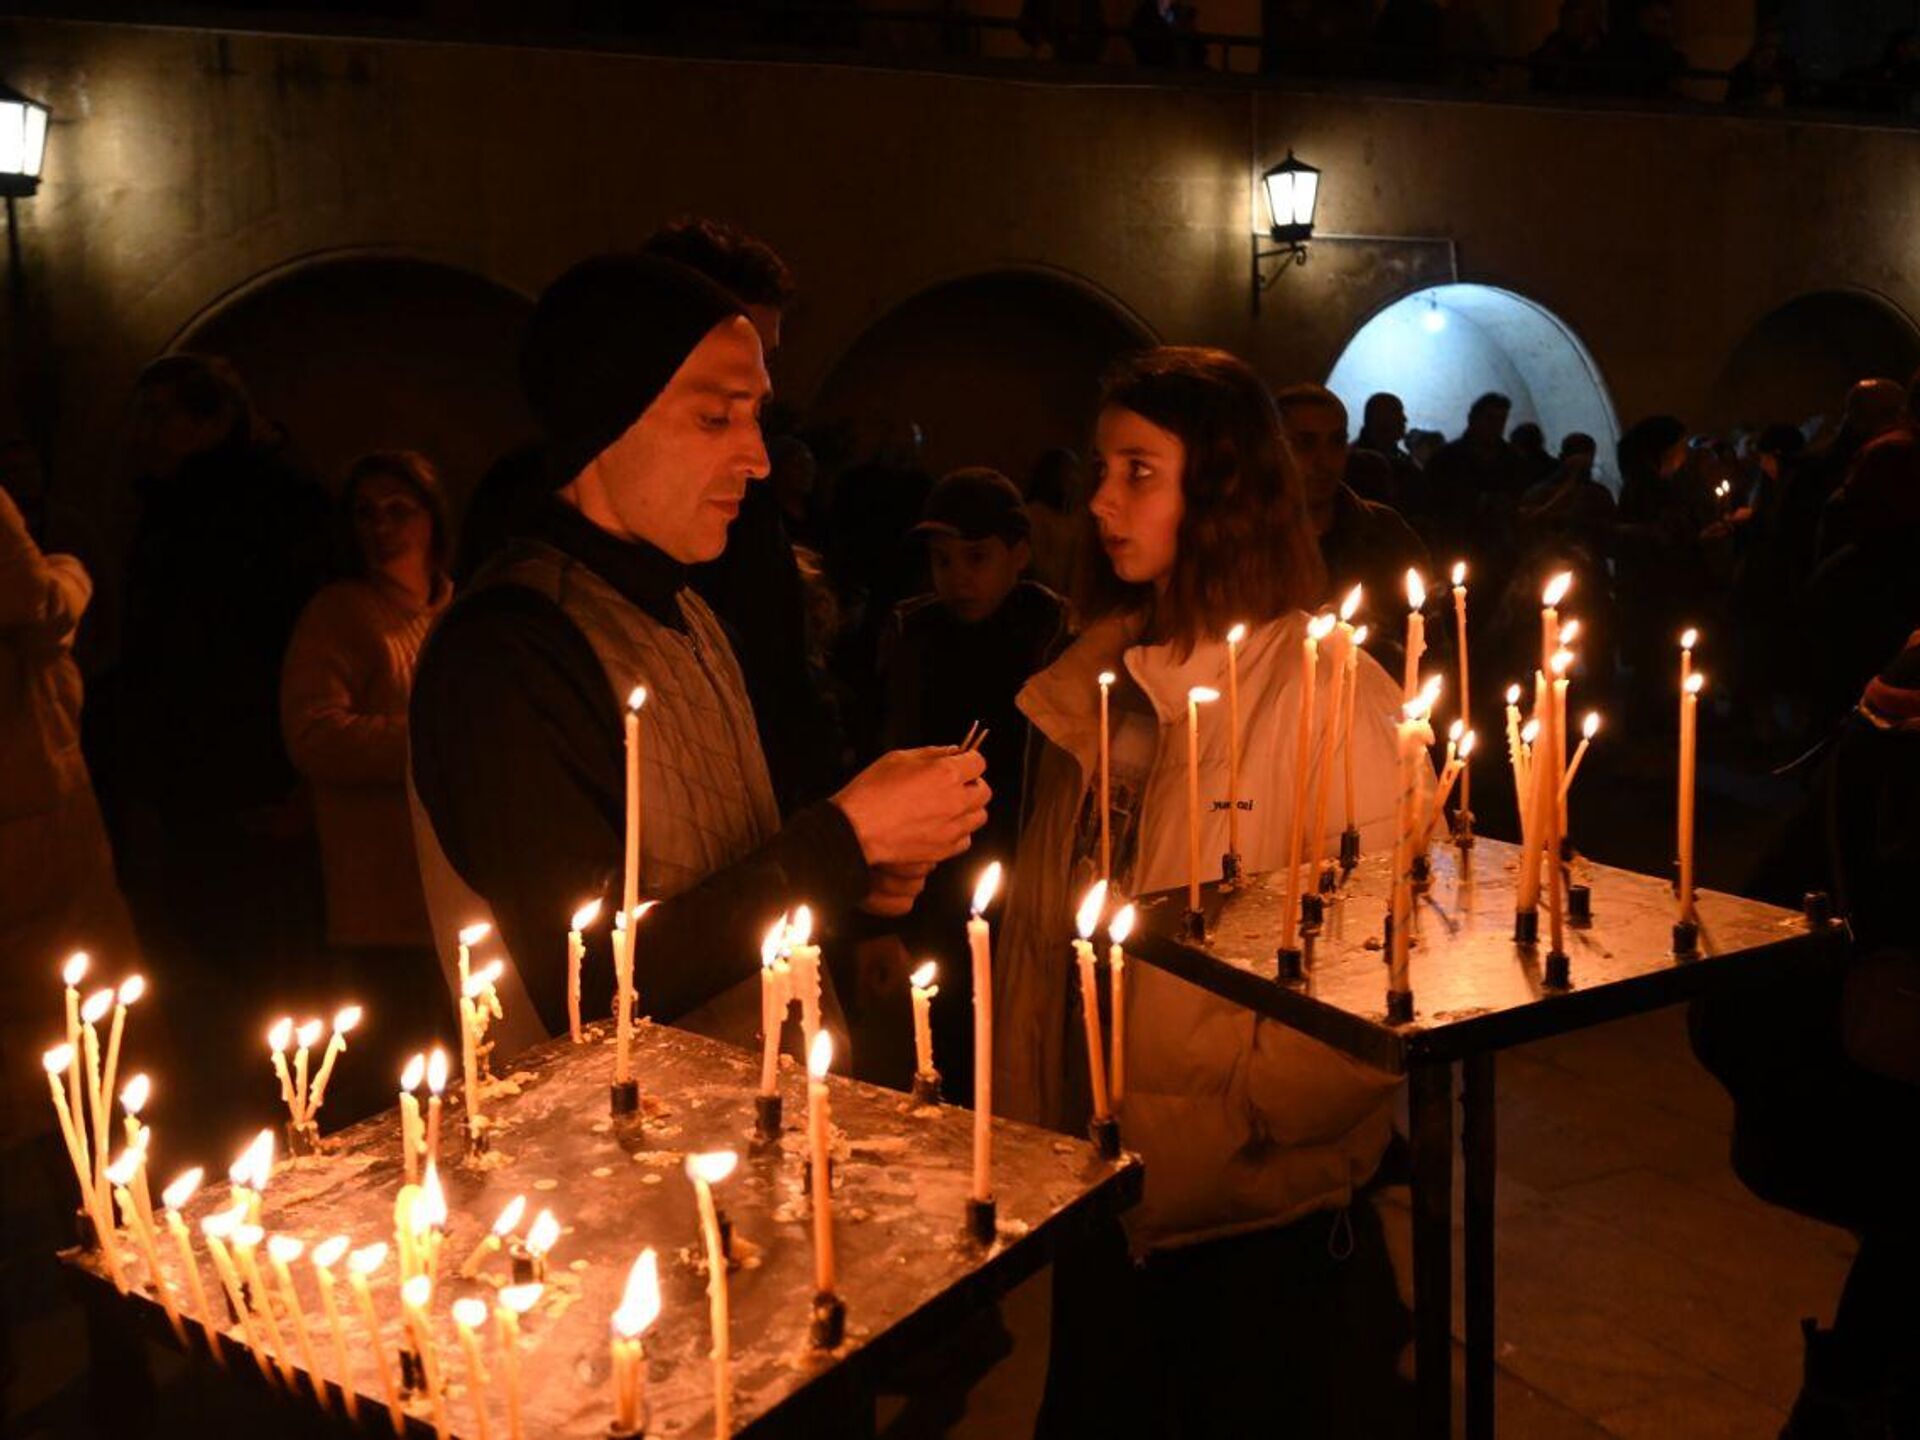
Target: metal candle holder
(1686, 940)
(766, 1120)
(1349, 849)
(1559, 972)
(1291, 965)
(303, 1138)
(983, 1220)
(1106, 1137)
(1526, 927)
(1230, 870)
(623, 1097)
(829, 1325)
(926, 1087)
(1580, 906)
(1194, 927)
(1399, 1007)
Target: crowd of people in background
(250, 742)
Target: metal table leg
(1479, 1139)
(1430, 1102)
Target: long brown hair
(1246, 550)
(417, 473)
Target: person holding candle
(1199, 523)
(646, 380)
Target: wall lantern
(23, 142)
(1292, 190)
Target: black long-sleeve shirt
(518, 757)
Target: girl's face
(1137, 502)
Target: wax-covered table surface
(1474, 990)
(905, 1266)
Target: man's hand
(894, 888)
(916, 807)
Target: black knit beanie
(604, 340)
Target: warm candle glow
(1421, 705)
(586, 915)
(1236, 634)
(520, 1298)
(1321, 626)
(176, 1195)
(1106, 678)
(284, 1249)
(1360, 635)
(1088, 919)
(327, 1253)
(923, 978)
(477, 984)
(430, 1211)
(1557, 588)
(640, 1302)
(773, 943)
(1350, 606)
(637, 698)
(473, 934)
(417, 1292)
(820, 1056)
(1570, 632)
(509, 1219)
(75, 970)
(801, 931)
(1202, 695)
(120, 1172)
(97, 1006)
(133, 1097)
(1467, 742)
(132, 988)
(1689, 638)
(368, 1258)
(1695, 681)
(1459, 572)
(542, 1234)
(1529, 732)
(987, 888)
(1560, 663)
(1455, 731)
(712, 1167)
(469, 1313)
(1513, 694)
(255, 1164)
(437, 1064)
(1590, 726)
(345, 1019)
(309, 1033)
(1416, 591)
(415, 1072)
(57, 1059)
(1121, 926)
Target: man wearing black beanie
(647, 381)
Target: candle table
(907, 1270)
(1475, 993)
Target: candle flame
(1236, 634)
(176, 1195)
(1087, 919)
(542, 1233)
(132, 988)
(96, 1006)
(284, 1249)
(1416, 591)
(1459, 573)
(477, 984)
(712, 1167)
(255, 1166)
(636, 698)
(121, 1171)
(820, 1055)
(430, 1210)
(1590, 726)
(281, 1035)
(75, 970)
(1106, 678)
(1320, 626)
(220, 1225)
(57, 1059)
(586, 915)
(640, 1303)
(1350, 606)
(520, 1298)
(309, 1033)
(469, 1313)
(1560, 663)
(1121, 926)
(1696, 681)
(1569, 632)
(327, 1253)
(986, 888)
(473, 934)
(1513, 694)
(1529, 732)
(1467, 742)
(509, 1219)
(368, 1258)
(640, 911)
(248, 1236)
(1689, 638)
(773, 943)
(417, 1292)
(1557, 588)
(133, 1095)
(1360, 635)
(415, 1072)
(1202, 695)
(346, 1018)
(437, 1064)
(1456, 730)
(923, 978)
(801, 931)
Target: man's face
(1391, 421)
(165, 436)
(972, 577)
(1318, 436)
(676, 478)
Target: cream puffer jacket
(1242, 1122)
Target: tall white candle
(1196, 697)
(304, 1038)
(1086, 922)
(71, 974)
(412, 1136)
(437, 1066)
(576, 952)
(819, 1129)
(630, 873)
(282, 1251)
(1297, 817)
(775, 986)
(707, 1171)
(1107, 678)
(921, 990)
(980, 944)
(1466, 684)
(1689, 756)
(1118, 929)
(343, 1021)
(804, 956)
(1416, 632)
(1234, 636)
(414, 1297)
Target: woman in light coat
(1244, 1125)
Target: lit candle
(246, 1241)
(1416, 632)
(504, 1225)
(430, 1220)
(1320, 777)
(639, 1308)
(56, 1060)
(921, 988)
(1086, 922)
(1118, 929)
(576, 951)
(133, 1099)
(1415, 735)
(1460, 746)
(1689, 709)
(1550, 598)
(1689, 638)
(1196, 697)
(1466, 687)
(279, 1038)
(1346, 717)
(630, 872)
(1107, 677)
(1234, 636)
(469, 1315)
(776, 983)
(71, 974)
(172, 1200)
(1297, 818)
(980, 944)
(343, 1021)
(804, 956)
(414, 1297)
(541, 1237)
(471, 1025)
(707, 1171)
(515, 1301)
(92, 1013)
(622, 999)
(361, 1264)
(304, 1039)
(131, 989)
(819, 1126)
(437, 1065)
(248, 1175)
(282, 1251)
(469, 937)
(323, 1258)
(120, 1176)
(411, 1138)
(1562, 669)
(1552, 795)
(1589, 728)
(218, 1229)
(1539, 815)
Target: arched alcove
(995, 368)
(1439, 348)
(1798, 359)
(363, 352)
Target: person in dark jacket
(647, 380)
